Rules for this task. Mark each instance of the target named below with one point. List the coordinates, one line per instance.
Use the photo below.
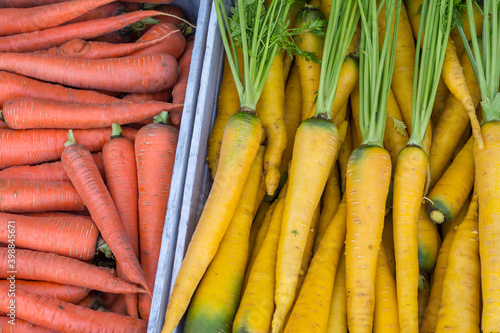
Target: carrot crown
(71, 139)
(485, 63)
(375, 68)
(341, 26)
(436, 22)
(260, 33)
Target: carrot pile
(380, 120)
(87, 154)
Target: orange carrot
(50, 267)
(50, 172)
(147, 73)
(108, 10)
(43, 17)
(62, 292)
(43, 145)
(155, 147)
(174, 44)
(92, 301)
(179, 91)
(66, 317)
(13, 86)
(81, 169)
(21, 326)
(161, 96)
(19, 195)
(47, 38)
(121, 175)
(174, 10)
(72, 236)
(26, 3)
(27, 112)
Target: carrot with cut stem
(146, 73)
(43, 145)
(47, 38)
(20, 195)
(62, 292)
(27, 112)
(155, 148)
(74, 237)
(81, 169)
(43, 17)
(369, 167)
(121, 179)
(67, 317)
(50, 267)
(411, 169)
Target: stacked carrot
(385, 215)
(87, 153)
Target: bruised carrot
(27, 112)
(47, 38)
(13, 86)
(50, 267)
(179, 90)
(21, 326)
(62, 292)
(67, 317)
(146, 73)
(74, 237)
(43, 145)
(172, 41)
(37, 196)
(155, 148)
(81, 169)
(43, 17)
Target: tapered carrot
(50, 267)
(67, 317)
(108, 10)
(27, 112)
(81, 169)
(62, 292)
(13, 86)
(47, 38)
(147, 73)
(74, 237)
(155, 148)
(43, 17)
(52, 172)
(179, 90)
(121, 179)
(37, 196)
(43, 145)
(21, 326)
(172, 41)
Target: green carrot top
(342, 23)
(376, 66)
(436, 21)
(484, 56)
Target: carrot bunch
(93, 82)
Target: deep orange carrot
(173, 44)
(179, 91)
(21, 326)
(43, 145)
(155, 148)
(50, 267)
(13, 86)
(74, 236)
(92, 301)
(174, 10)
(26, 3)
(161, 96)
(108, 10)
(121, 175)
(28, 112)
(51, 172)
(63, 292)
(81, 169)
(19, 195)
(17, 20)
(67, 317)
(47, 38)
(146, 73)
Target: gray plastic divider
(201, 10)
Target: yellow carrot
(331, 200)
(388, 242)
(337, 319)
